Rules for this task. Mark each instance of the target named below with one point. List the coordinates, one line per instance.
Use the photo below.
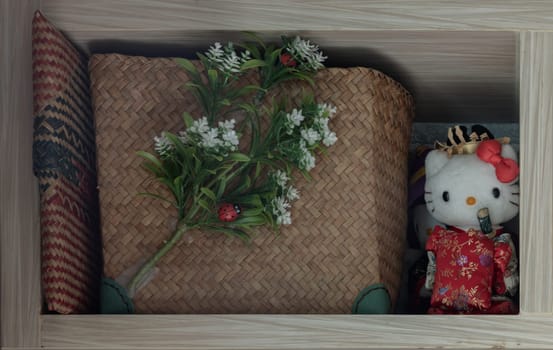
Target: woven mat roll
(348, 226)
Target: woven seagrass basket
(348, 227)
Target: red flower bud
(287, 60)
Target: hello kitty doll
(472, 187)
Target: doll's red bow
(506, 169)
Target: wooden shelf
(506, 46)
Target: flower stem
(150, 264)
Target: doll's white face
(457, 187)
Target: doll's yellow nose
(471, 200)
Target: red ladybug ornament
(229, 212)
(287, 60)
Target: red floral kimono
(474, 273)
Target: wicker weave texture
(348, 226)
(64, 163)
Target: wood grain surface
(90, 22)
(536, 145)
(467, 75)
(147, 15)
(455, 76)
(297, 332)
(19, 235)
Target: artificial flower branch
(212, 183)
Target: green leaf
(171, 186)
(258, 168)
(213, 77)
(268, 162)
(248, 107)
(252, 49)
(201, 93)
(252, 212)
(209, 193)
(232, 232)
(188, 66)
(191, 85)
(180, 147)
(177, 182)
(254, 63)
(150, 157)
(274, 56)
(270, 219)
(202, 203)
(253, 200)
(222, 187)
(303, 76)
(239, 157)
(245, 90)
(188, 120)
(255, 37)
(250, 220)
(156, 196)
(244, 185)
(306, 175)
(268, 51)
(197, 164)
(152, 168)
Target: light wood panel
(298, 332)
(536, 146)
(170, 20)
(146, 15)
(19, 239)
(469, 76)
(454, 76)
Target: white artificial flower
(227, 124)
(279, 205)
(199, 126)
(215, 52)
(292, 193)
(329, 138)
(307, 53)
(284, 219)
(321, 123)
(162, 145)
(310, 136)
(231, 63)
(246, 55)
(293, 119)
(296, 117)
(210, 139)
(307, 161)
(280, 210)
(225, 58)
(326, 107)
(303, 47)
(183, 137)
(317, 60)
(280, 178)
(218, 140)
(231, 139)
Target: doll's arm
(430, 270)
(431, 248)
(506, 279)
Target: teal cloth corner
(373, 300)
(114, 298)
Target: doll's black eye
(445, 196)
(496, 192)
